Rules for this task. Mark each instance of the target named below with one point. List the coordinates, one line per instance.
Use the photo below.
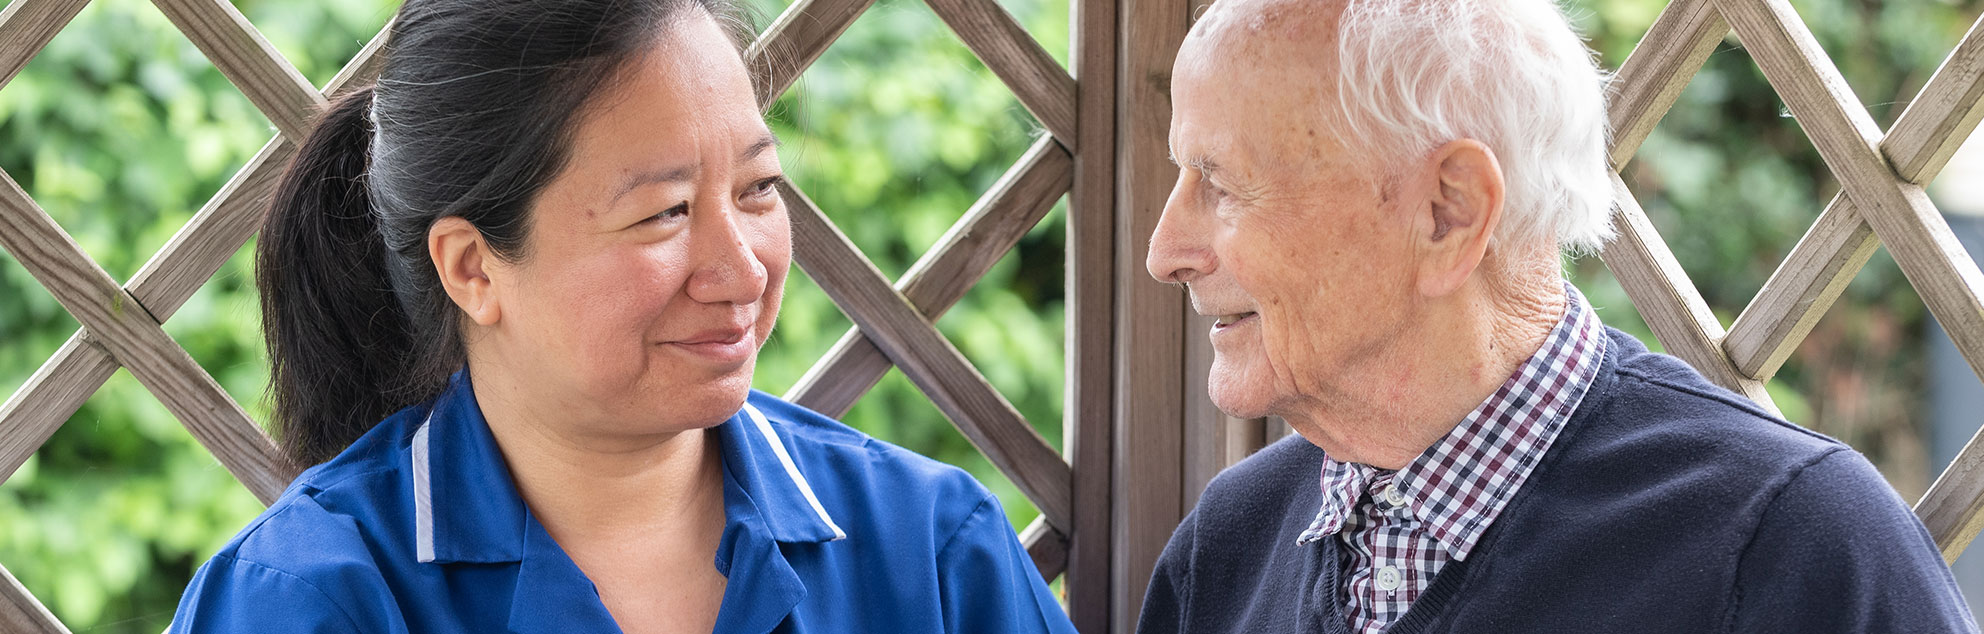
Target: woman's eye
(763, 187)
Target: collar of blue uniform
(467, 509)
(759, 465)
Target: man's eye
(763, 187)
(678, 211)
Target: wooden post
(1088, 422)
(1150, 408)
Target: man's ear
(1463, 211)
(463, 259)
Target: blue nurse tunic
(417, 527)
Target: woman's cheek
(774, 252)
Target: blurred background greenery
(121, 130)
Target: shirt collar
(1459, 485)
(467, 509)
(465, 506)
(1344, 484)
(757, 459)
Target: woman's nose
(727, 266)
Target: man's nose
(1180, 248)
(727, 267)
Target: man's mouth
(1233, 318)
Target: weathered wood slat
(162, 285)
(1088, 417)
(20, 613)
(998, 40)
(1818, 269)
(928, 359)
(27, 26)
(1667, 300)
(1848, 140)
(73, 374)
(1048, 548)
(1943, 114)
(1212, 440)
(1648, 83)
(1208, 433)
(120, 324)
(945, 273)
(364, 66)
(1662, 64)
(1798, 293)
(1953, 508)
(1247, 437)
(55, 391)
(214, 234)
(1899, 212)
(1150, 327)
(795, 40)
(248, 60)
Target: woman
(549, 240)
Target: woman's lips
(726, 346)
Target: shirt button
(1393, 496)
(1388, 578)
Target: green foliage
(122, 129)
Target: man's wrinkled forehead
(1280, 32)
(1258, 75)
(1267, 55)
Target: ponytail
(341, 348)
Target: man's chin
(1237, 398)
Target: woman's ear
(1465, 208)
(462, 259)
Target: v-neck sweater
(1667, 504)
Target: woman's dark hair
(471, 117)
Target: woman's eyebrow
(764, 143)
(684, 173)
(677, 174)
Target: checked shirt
(1400, 527)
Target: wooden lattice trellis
(122, 323)
(1104, 516)
(1881, 202)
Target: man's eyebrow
(1203, 164)
(682, 173)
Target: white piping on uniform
(423, 497)
(778, 448)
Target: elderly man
(1372, 200)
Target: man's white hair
(1415, 74)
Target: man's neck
(1457, 355)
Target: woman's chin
(704, 403)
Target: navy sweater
(1667, 505)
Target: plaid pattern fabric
(1400, 527)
